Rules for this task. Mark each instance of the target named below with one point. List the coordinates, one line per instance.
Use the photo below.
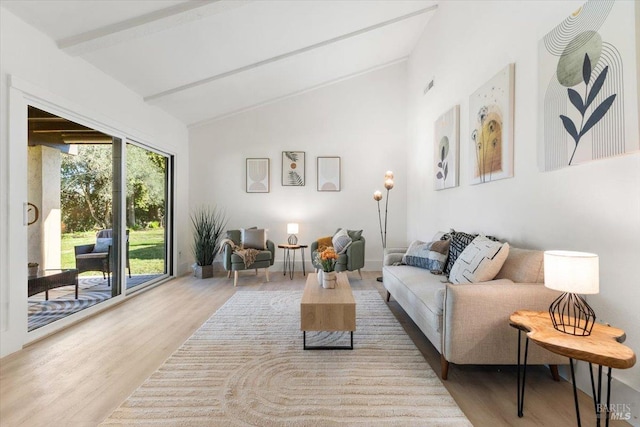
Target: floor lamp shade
(292, 230)
(572, 273)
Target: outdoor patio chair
(98, 256)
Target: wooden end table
(289, 263)
(330, 310)
(603, 347)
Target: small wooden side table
(289, 261)
(603, 347)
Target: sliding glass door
(72, 235)
(93, 234)
(148, 215)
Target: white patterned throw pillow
(341, 241)
(480, 261)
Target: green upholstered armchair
(234, 263)
(352, 259)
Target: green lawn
(146, 250)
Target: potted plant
(208, 224)
(327, 275)
(33, 268)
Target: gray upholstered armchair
(352, 259)
(234, 262)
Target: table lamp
(572, 273)
(292, 230)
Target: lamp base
(571, 315)
(293, 239)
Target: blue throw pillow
(431, 256)
(102, 244)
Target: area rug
(62, 301)
(246, 366)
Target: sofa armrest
(355, 255)
(83, 249)
(475, 324)
(272, 248)
(227, 251)
(393, 255)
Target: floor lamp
(377, 196)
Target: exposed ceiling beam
(49, 126)
(286, 55)
(144, 25)
(294, 93)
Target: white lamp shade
(573, 272)
(292, 228)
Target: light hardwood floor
(78, 376)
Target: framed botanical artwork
(491, 127)
(328, 170)
(293, 168)
(588, 86)
(258, 174)
(447, 147)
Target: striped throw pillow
(341, 241)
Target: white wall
(362, 120)
(593, 207)
(40, 72)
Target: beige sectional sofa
(469, 323)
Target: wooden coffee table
(330, 310)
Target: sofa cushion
(102, 244)
(260, 256)
(419, 288)
(523, 266)
(341, 241)
(431, 256)
(355, 234)
(459, 241)
(254, 238)
(480, 261)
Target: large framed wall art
(257, 175)
(588, 86)
(293, 173)
(491, 127)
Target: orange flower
(327, 258)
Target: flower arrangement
(327, 259)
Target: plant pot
(203, 271)
(33, 271)
(329, 279)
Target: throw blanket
(248, 255)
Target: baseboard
(625, 400)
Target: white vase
(320, 277)
(329, 280)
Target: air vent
(428, 87)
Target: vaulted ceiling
(202, 60)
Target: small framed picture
(293, 168)
(328, 169)
(258, 174)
